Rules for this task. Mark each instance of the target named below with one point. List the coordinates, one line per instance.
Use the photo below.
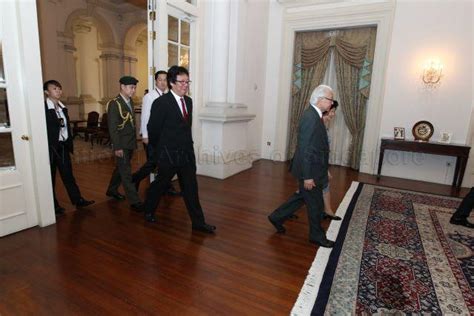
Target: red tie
(183, 108)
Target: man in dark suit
(60, 145)
(121, 122)
(310, 167)
(161, 86)
(169, 133)
(464, 210)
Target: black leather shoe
(326, 243)
(84, 203)
(461, 221)
(150, 218)
(138, 207)
(279, 227)
(59, 210)
(172, 192)
(117, 196)
(209, 229)
(334, 218)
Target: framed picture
(445, 137)
(399, 133)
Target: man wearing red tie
(170, 136)
(161, 86)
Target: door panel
(17, 199)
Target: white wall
(251, 85)
(424, 30)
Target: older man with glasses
(310, 168)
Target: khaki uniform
(121, 120)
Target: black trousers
(148, 167)
(465, 208)
(61, 160)
(315, 204)
(189, 188)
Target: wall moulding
(129, 59)
(108, 56)
(331, 16)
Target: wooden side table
(461, 152)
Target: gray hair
(319, 92)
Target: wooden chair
(102, 132)
(92, 125)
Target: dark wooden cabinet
(461, 152)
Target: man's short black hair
(173, 74)
(51, 83)
(160, 72)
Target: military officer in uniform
(121, 120)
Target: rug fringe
(309, 291)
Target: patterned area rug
(396, 253)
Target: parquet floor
(106, 260)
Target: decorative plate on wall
(422, 131)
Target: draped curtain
(340, 138)
(309, 68)
(354, 60)
(354, 56)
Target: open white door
(19, 200)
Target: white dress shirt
(63, 134)
(146, 109)
(178, 100)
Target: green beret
(126, 80)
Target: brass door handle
(25, 137)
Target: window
(7, 159)
(178, 42)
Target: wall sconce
(432, 73)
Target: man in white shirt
(161, 87)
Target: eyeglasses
(329, 99)
(183, 82)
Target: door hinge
(152, 35)
(152, 71)
(152, 15)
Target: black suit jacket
(169, 134)
(53, 126)
(311, 158)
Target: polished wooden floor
(106, 260)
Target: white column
(224, 149)
(69, 71)
(111, 72)
(130, 65)
(220, 17)
(68, 78)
